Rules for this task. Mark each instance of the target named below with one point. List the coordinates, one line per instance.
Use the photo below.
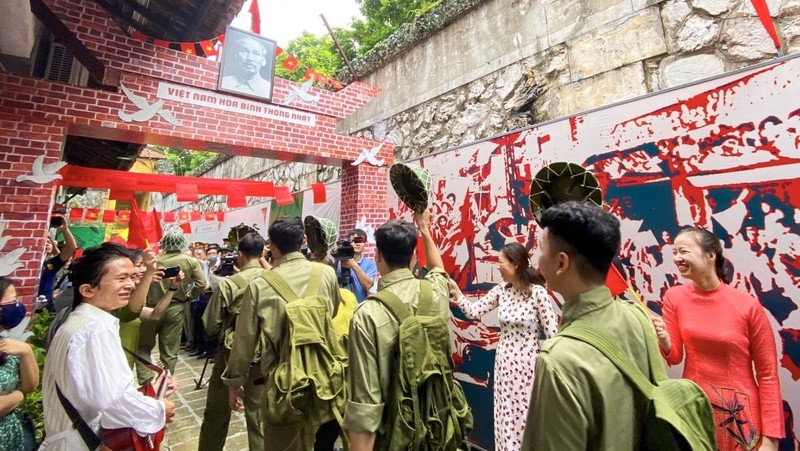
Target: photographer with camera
(55, 259)
(219, 321)
(354, 271)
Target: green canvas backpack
(679, 415)
(308, 383)
(427, 409)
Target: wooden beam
(188, 34)
(162, 32)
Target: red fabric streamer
(186, 192)
(236, 197)
(319, 192)
(283, 196)
(137, 233)
(255, 25)
(766, 19)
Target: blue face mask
(11, 315)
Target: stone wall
(507, 64)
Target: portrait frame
(236, 72)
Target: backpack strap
(239, 280)
(425, 306)
(279, 285)
(312, 288)
(390, 300)
(658, 371)
(608, 348)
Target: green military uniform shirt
(262, 317)
(372, 346)
(191, 287)
(580, 400)
(220, 315)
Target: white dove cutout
(3, 239)
(42, 173)
(367, 228)
(146, 109)
(369, 156)
(9, 262)
(302, 93)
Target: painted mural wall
(722, 154)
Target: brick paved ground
(183, 432)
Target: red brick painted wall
(36, 116)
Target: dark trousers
(326, 436)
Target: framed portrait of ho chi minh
(248, 64)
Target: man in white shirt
(86, 360)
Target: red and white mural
(722, 154)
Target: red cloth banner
(83, 177)
(186, 192)
(75, 214)
(283, 196)
(766, 19)
(319, 193)
(154, 230)
(120, 194)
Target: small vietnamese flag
(75, 214)
(92, 214)
(124, 215)
(183, 216)
(336, 84)
(208, 48)
(283, 196)
(319, 192)
(161, 43)
(615, 282)
(278, 51)
(186, 227)
(109, 216)
(221, 216)
(188, 48)
(290, 63)
(139, 36)
(311, 74)
(221, 39)
(169, 216)
(195, 215)
(210, 216)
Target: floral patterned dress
(522, 319)
(11, 434)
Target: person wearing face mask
(19, 373)
(525, 309)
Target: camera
(56, 221)
(227, 262)
(344, 248)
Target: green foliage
(32, 404)
(383, 17)
(185, 161)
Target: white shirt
(87, 362)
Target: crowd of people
(551, 392)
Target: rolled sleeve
(364, 408)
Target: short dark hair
(589, 235)
(93, 265)
(251, 245)
(287, 234)
(396, 241)
(358, 232)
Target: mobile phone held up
(172, 271)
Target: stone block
(789, 8)
(744, 39)
(790, 29)
(635, 38)
(613, 86)
(567, 19)
(714, 7)
(673, 14)
(696, 33)
(676, 71)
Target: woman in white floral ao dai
(525, 309)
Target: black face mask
(11, 315)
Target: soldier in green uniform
(219, 320)
(169, 327)
(262, 323)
